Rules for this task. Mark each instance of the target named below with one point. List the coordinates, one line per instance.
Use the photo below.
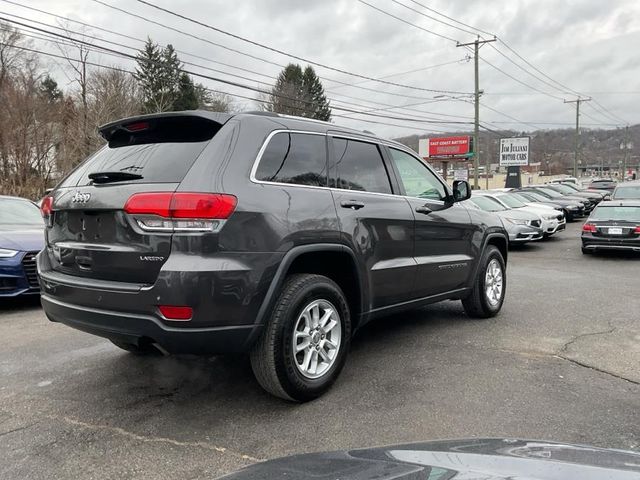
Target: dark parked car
(605, 194)
(473, 459)
(566, 190)
(21, 238)
(603, 184)
(555, 196)
(200, 232)
(573, 208)
(627, 191)
(613, 225)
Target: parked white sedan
(552, 219)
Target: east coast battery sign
(514, 152)
(445, 147)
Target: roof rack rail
(262, 113)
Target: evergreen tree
(299, 93)
(315, 91)
(49, 89)
(186, 98)
(158, 74)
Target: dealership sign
(514, 152)
(444, 147)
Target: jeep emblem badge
(80, 197)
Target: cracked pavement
(561, 363)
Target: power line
(405, 21)
(326, 79)
(452, 19)
(98, 65)
(232, 66)
(563, 88)
(520, 81)
(119, 54)
(132, 57)
(429, 67)
(432, 18)
(119, 34)
(281, 52)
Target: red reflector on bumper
(172, 312)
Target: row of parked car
(536, 212)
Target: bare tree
(76, 54)
(112, 94)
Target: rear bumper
(137, 329)
(225, 293)
(598, 244)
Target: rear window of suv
(160, 150)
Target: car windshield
(521, 197)
(616, 212)
(488, 204)
(551, 193)
(571, 187)
(511, 201)
(627, 192)
(19, 212)
(563, 189)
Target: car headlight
(6, 253)
(549, 217)
(517, 222)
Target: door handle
(424, 209)
(352, 204)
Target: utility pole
(577, 101)
(476, 132)
(626, 150)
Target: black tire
(272, 358)
(145, 349)
(477, 305)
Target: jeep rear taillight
(46, 209)
(180, 211)
(46, 206)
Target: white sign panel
(461, 174)
(423, 147)
(514, 152)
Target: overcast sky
(590, 46)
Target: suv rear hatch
(102, 221)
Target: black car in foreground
(201, 232)
(473, 459)
(613, 225)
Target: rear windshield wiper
(108, 177)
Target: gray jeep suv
(206, 233)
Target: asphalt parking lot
(561, 362)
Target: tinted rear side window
(296, 158)
(163, 152)
(359, 166)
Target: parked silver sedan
(522, 226)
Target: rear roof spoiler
(108, 130)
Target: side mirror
(461, 190)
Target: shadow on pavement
(20, 303)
